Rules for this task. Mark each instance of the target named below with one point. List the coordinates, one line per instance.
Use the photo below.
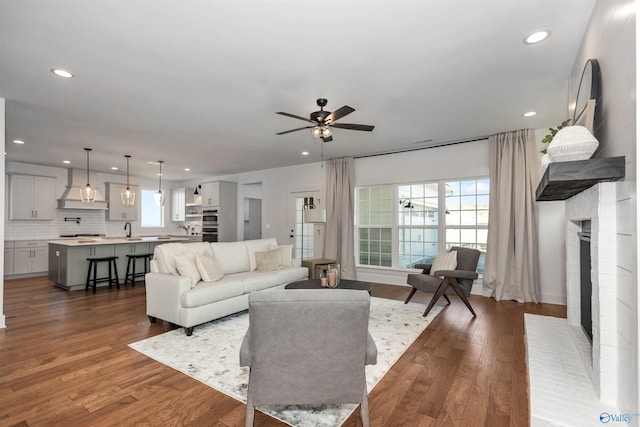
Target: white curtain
(511, 266)
(339, 229)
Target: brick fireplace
(598, 205)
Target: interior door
(301, 234)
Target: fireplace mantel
(562, 180)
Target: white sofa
(176, 293)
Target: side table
(316, 265)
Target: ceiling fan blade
(328, 139)
(351, 126)
(295, 117)
(294, 130)
(339, 113)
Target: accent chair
(447, 282)
(308, 347)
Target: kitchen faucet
(125, 227)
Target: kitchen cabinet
(31, 197)
(30, 256)
(217, 193)
(117, 211)
(219, 220)
(8, 258)
(179, 199)
(210, 192)
(68, 264)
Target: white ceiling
(197, 83)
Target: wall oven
(209, 225)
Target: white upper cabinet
(117, 211)
(31, 197)
(178, 204)
(210, 194)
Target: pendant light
(128, 195)
(158, 197)
(88, 193)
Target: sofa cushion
(269, 260)
(257, 281)
(291, 274)
(231, 256)
(258, 245)
(198, 248)
(164, 256)
(209, 292)
(208, 268)
(186, 266)
(287, 254)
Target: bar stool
(93, 263)
(131, 266)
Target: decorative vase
(572, 143)
(545, 160)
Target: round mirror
(588, 88)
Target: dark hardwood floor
(64, 361)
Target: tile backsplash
(91, 222)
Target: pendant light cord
(87, 150)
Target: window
(150, 214)
(375, 225)
(419, 220)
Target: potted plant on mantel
(552, 132)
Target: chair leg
(456, 287)
(436, 297)
(447, 298)
(115, 271)
(95, 275)
(133, 275)
(413, 291)
(86, 285)
(248, 418)
(364, 409)
(126, 275)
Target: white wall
(611, 39)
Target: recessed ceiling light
(537, 37)
(114, 168)
(66, 162)
(18, 141)
(61, 73)
(187, 169)
(529, 114)
(305, 153)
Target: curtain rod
(405, 150)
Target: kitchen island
(68, 263)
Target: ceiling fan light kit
(322, 121)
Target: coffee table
(344, 284)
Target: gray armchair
(308, 347)
(458, 281)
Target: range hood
(71, 197)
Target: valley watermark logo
(607, 417)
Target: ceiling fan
(323, 121)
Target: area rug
(211, 355)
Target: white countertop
(80, 241)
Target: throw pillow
(268, 261)
(186, 266)
(287, 254)
(209, 268)
(444, 261)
